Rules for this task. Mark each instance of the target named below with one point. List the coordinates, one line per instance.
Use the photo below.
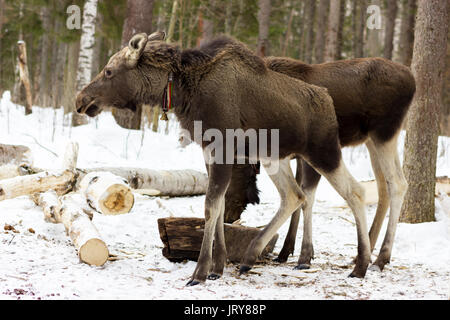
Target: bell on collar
(164, 116)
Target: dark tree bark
(422, 127)
(391, 14)
(406, 43)
(340, 30)
(359, 9)
(138, 19)
(310, 11)
(331, 48)
(322, 18)
(264, 10)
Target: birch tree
(86, 51)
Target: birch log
(14, 154)
(61, 182)
(173, 183)
(50, 204)
(85, 237)
(107, 193)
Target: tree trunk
(340, 30)
(107, 193)
(50, 204)
(69, 95)
(13, 154)
(359, 14)
(138, 19)
(288, 31)
(168, 182)
(85, 57)
(228, 17)
(310, 11)
(406, 42)
(264, 9)
(391, 15)
(85, 237)
(173, 18)
(43, 77)
(208, 22)
(422, 126)
(61, 182)
(182, 239)
(24, 76)
(322, 18)
(333, 28)
(58, 75)
(373, 37)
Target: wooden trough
(182, 239)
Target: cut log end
(94, 252)
(118, 199)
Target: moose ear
(135, 48)
(158, 35)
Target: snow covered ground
(43, 264)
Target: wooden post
(24, 75)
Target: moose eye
(108, 73)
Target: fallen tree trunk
(8, 171)
(61, 182)
(50, 204)
(182, 239)
(107, 193)
(12, 154)
(85, 237)
(173, 183)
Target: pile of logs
(71, 195)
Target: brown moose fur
(369, 95)
(226, 86)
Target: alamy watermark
(373, 22)
(238, 146)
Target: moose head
(135, 75)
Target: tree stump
(182, 239)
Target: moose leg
(289, 241)
(291, 198)
(397, 185)
(219, 250)
(218, 181)
(349, 189)
(310, 181)
(383, 197)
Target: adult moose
(371, 97)
(225, 86)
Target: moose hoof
(192, 283)
(302, 266)
(280, 259)
(244, 269)
(356, 274)
(214, 276)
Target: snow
(39, 262)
